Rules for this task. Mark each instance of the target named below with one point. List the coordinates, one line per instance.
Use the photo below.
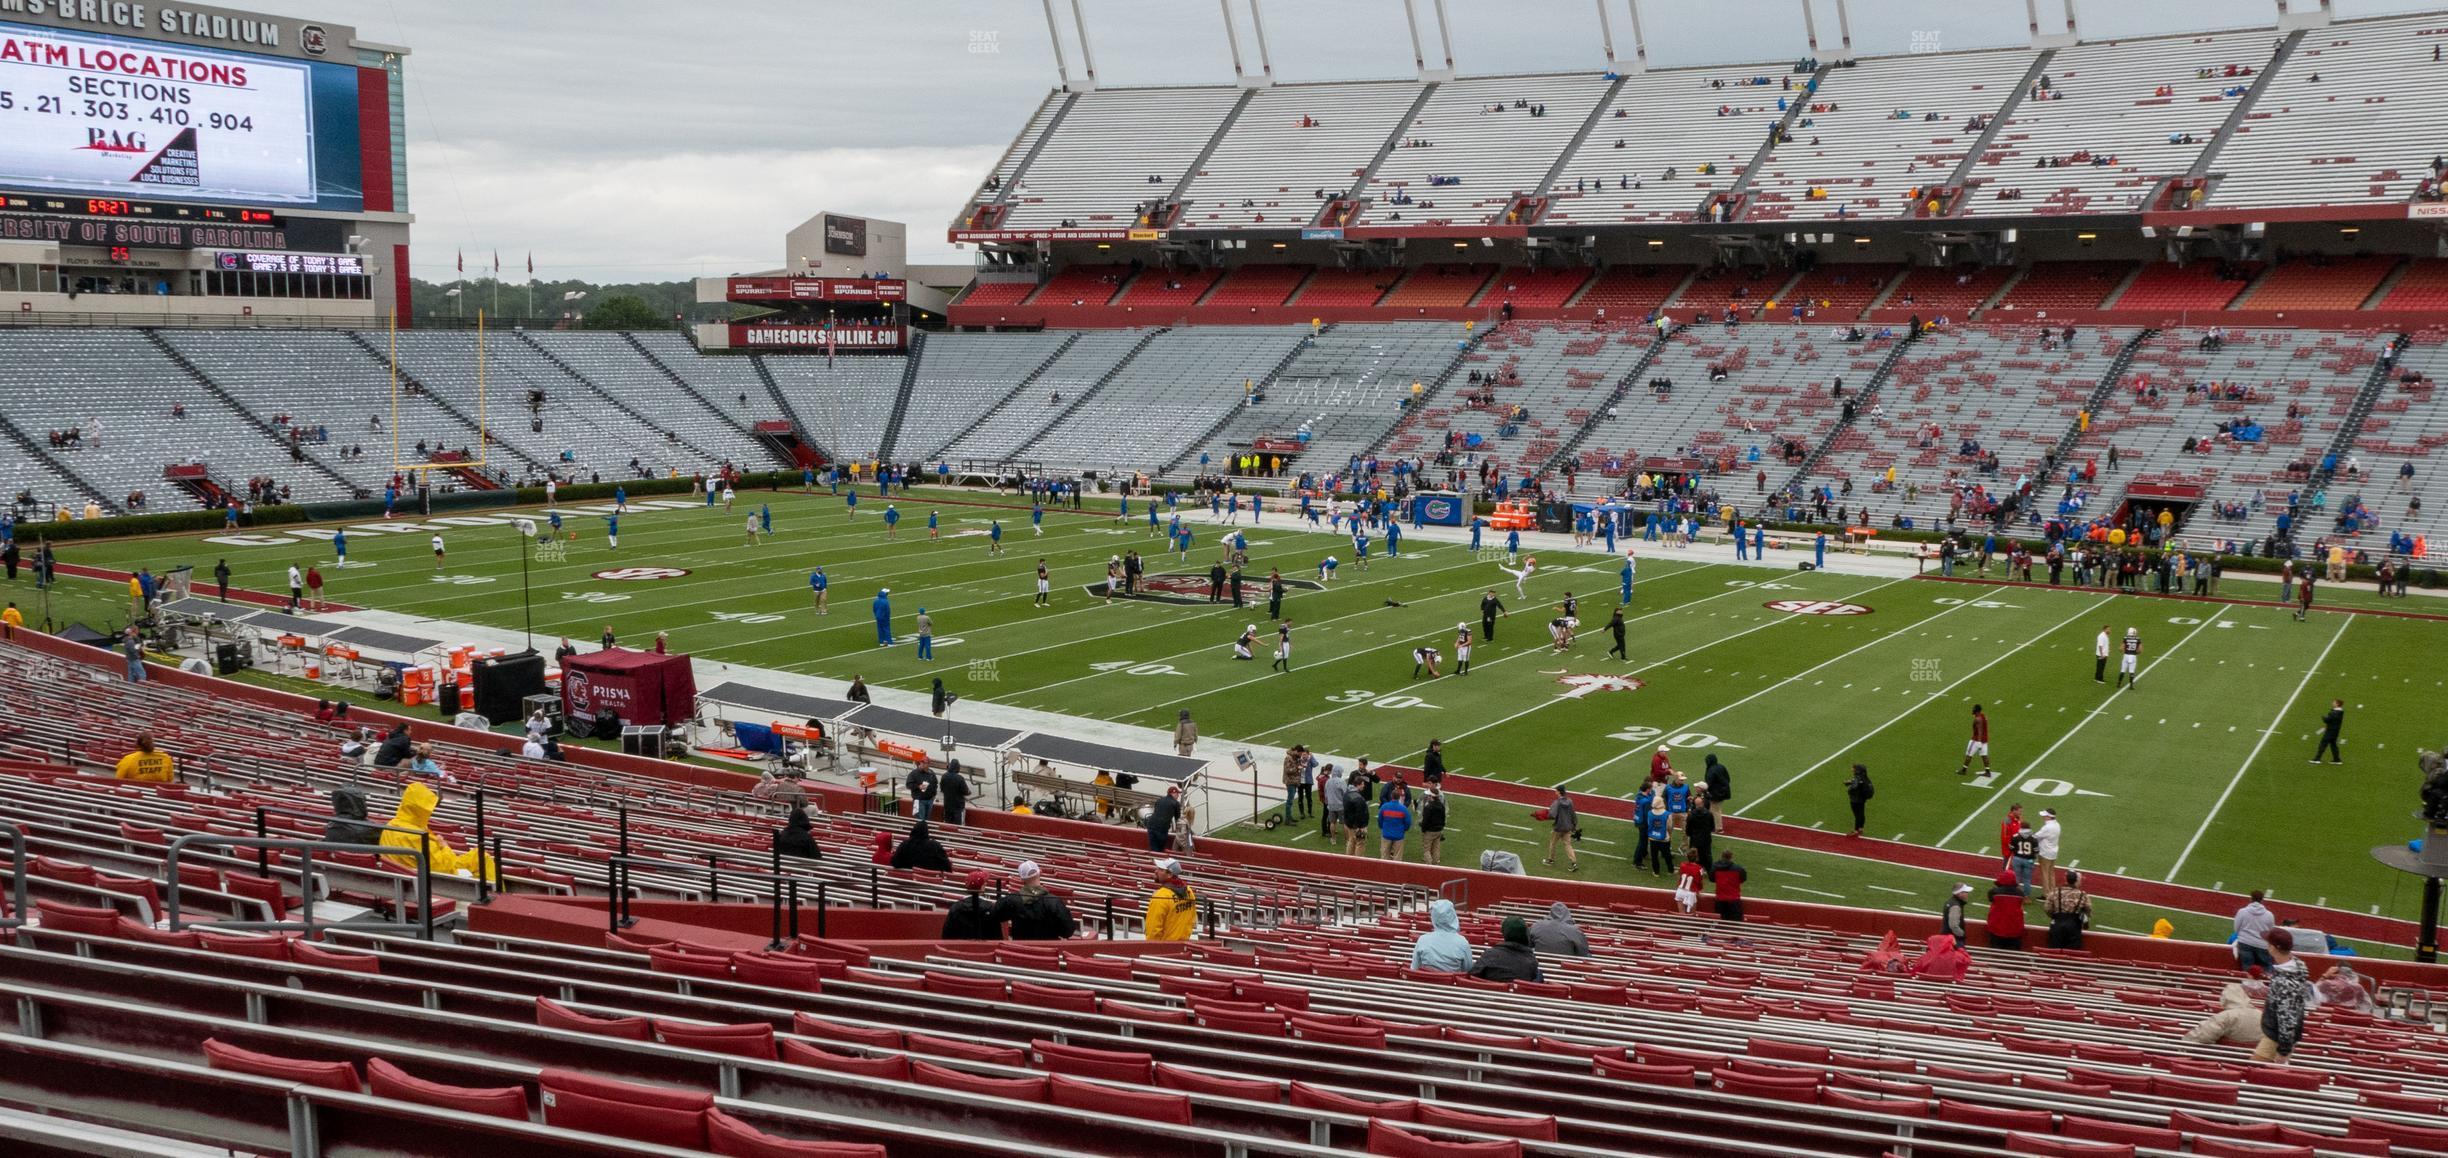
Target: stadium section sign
(137, 119)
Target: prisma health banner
(140, 119)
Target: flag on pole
(531, 263)
(497, 263)
(463, 261)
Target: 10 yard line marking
(2079, 725)
(2246, 766)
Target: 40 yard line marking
(2344, 622)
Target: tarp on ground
(638, 687)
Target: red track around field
(1974, 867)
(197, 591)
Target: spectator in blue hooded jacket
(1441, 949)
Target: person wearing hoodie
(1858, 791)
(1442, 948)
(2237, 1022)
(2006, 912)
(881, 855)
(955, 789)
(793, 838)
(1032, 912)
(396, 748)
(2282, 1009)
(1718, 780)
(409, 827)
(1432, 825)
(1172, 909)
(973, 918)
(1951, 918)
(922, 787)
(1511, 959)
(1942, 959)
(1564, 827)
(1558, 936)
(1700, 828)
(349, 823)
(920, 850)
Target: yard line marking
(1516, 827)
(1813, 892)
(1934, 696)
(1791, 873)
(2344, 622)
(2070, 733)
(1630, 751)
(1898, 892)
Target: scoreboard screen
(138, 119)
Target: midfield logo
(1189, 589)
(1583, 685)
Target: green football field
(2197, 775)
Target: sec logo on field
(625, 573)
(1815, 607)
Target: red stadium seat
(1193, 1081)
(773, 971)
(330, 1075)
(1805, 1089)
(642, 1113)
(957, 985)
(245, 945)
(1995, 1117)
(1054, 996)
(1082, 1061)
(131, 931)
(1391, 1141)
(2375, 1147)
(732, 1138)
(2215, 1128)
(1031, 1089)
(753, 1039)
(807, 1025)
(664, 960)
(1537, 1129)
(385, 1080)
(1001, 1055)
(1901, 1107)
(2415, 1137)
(1136, 1105)
(893, 1066)
(552, 1014)
(1678, 1076)
(2019, 1143)
(2103, 1130)
(1151, 1013)
(1761, 1047)
(1309, 1097)
(86, 919)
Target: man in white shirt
(2099, 653)
(297, 588)
(437, 549)
(2045, 865)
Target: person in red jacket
(2006, 912)
(1729, 878)
(2007, 829)
(1661, 769)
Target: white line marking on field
(2344, 622)
(1939, 694)
(1515, 827)
(1898, 892)
(1791, 873)
(1813, 892)
(2076, 730)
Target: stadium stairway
(2099, 394)
(1862, 402)
(35, 452)
(690, 388)
(1080, 398)
(901, 399)
(299, 452)
(1737, 191)
(1623, 386)
(442, 403)
(1018, 391)
(2204, 164)
(562, 364)
(1225, 419)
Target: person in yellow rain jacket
(1172, 912)
(146, 763)
(416, 809)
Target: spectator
(1442, 948)
(882, 854)
(971, 918)
(1558, 935)
(1432, 825)
(2006, 897)
(396, 748)
(1172, 910)
(1942, 959)
(2045, 843)
(2069, 912)
(2282, 1010)
(1951, 918)
(349, 823)
(146, 764)
(1393, 822)
(2237, 1022)
(410, 828)
(1032, 911)
(920, 850)
(922, 786)
(1185, 734)
(955, 794)
(1511, 959)
(1161, 816)
(793, 838)
(1719, 779)
(1564, 827)
(1858, 791)
(1728, 877)
(768, 786)
(2253, 924)
(1700, 828)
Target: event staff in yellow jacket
(146, 763)
(1172, 912)
(416, 808)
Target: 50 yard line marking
(2344, 622)
(2095, 713)
(1934, 697)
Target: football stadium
(1875, 604)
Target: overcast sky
(625, 140)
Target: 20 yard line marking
(2344, 622)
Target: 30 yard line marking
(1979, 809)
(1940, 694)
(2344, 622)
